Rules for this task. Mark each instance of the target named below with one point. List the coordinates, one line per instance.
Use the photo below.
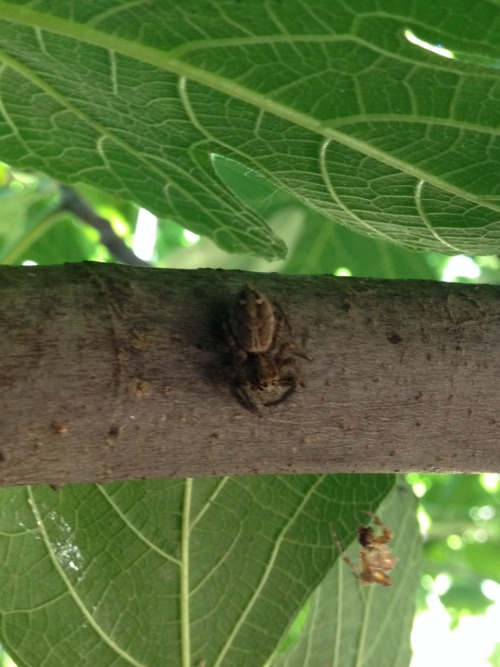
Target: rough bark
(112, 372)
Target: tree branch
(73, 202)
(111, 372)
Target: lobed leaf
(344, 106)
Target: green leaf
(168, 573)
(341, 105)
(356, 626)
(316, 246)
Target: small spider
(265, 370)
(375, 557)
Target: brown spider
(375, 557)
(265, 370)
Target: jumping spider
(265, 370)
(375, 557)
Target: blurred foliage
(462, 539)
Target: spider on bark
(265, 368)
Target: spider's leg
(346, 558)
(387, 533)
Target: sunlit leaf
(341, 104)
